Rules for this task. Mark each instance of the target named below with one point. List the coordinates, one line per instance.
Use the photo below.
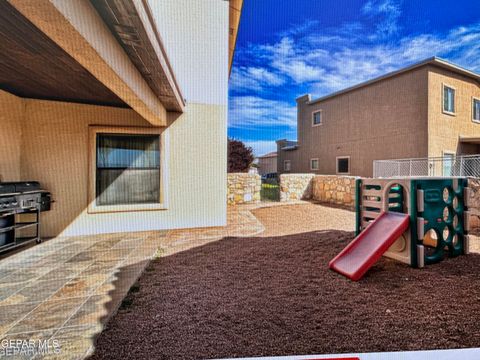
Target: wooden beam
(77, 28)
(133, 25)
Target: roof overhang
(133, 25)
(142, 79)
(234, 23)
(469, 139)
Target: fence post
(410, 168)
(462, 170)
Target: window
(127, 169)
(476, 110)
(317, 118)
(313, 164)
(343, 165)
(448, 163)
(448, 99)
(286, 165)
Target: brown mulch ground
(274, 295)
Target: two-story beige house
(429, 109)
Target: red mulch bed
(275, 296)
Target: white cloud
(262, 147)
(321, 61)
(249, 112)
(254, 78)
(388, 11)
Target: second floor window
(476, 110)
(317, 118)
(448, 99)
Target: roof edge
(429, 61)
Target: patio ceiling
(33, 66)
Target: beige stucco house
(429, 109)
(119, 109)
(267, 163)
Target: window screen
(128, 169)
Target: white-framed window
(476, 110)
(448, 104)
(343, 164)
(448, 161)
(286, 165)
(314, 165)
(317, 118)
(125, 169)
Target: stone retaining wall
(295, 186)
(474, 202)
(243, 188)
(338, 190)
(333, 189)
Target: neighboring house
(429, 109)
(267, 163)
(119, 108)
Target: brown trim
(236, 29)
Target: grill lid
(19, 186)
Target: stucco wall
(443, 129)
(384, 120)
(243, 188)
(11, 115)
(55, 152)
(195, 35)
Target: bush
(240, 156)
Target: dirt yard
(274, 295)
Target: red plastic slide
(364, 251)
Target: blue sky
(287, 48)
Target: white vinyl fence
(448, 165)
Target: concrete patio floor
(67, 288)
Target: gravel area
(274, 295)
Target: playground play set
(417, 221)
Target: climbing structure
(433, 225)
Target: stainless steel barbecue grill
(20, 207)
